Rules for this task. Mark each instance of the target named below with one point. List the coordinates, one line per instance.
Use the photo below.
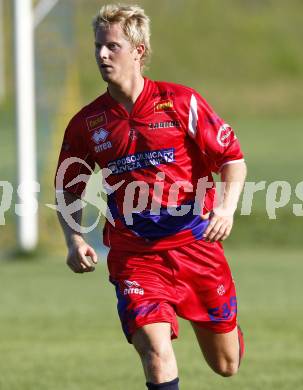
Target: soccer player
(160, 142)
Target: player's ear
(140, 50)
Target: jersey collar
(140, 106)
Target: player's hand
(220, 225)
(81, 257)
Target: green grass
(60, 330)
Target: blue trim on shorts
(121, 307)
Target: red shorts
(192, 281)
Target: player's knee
(154, 353)
(158, 363)
(226, 368)
(157, 358)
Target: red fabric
(104, 133)
(192, 281)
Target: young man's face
(116, 58)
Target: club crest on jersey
(95, 121)
(164, 106)
(133, 134)
(224, 136)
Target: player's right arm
(75, 163)
(81, 257)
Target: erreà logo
(164, 106)
(133, 287)
(100, 135)
(96, 121)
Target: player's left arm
(221, 218)
(222, 155)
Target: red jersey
(170, 140)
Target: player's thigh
(220, 350)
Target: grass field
(60, 330)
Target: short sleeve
(75, 163)
(215, 138)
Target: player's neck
(128, 92)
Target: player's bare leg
(153, 343)
(221, 350)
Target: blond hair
(133, 21)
